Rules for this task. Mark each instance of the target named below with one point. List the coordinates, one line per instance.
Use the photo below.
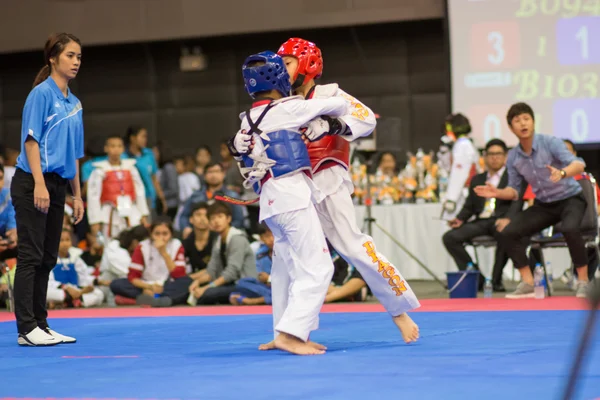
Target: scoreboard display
(545, 53)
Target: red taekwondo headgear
(310, 61)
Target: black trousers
(38, 240)
(569, 212)
(216, 295)
(455, 239)
(176, 289)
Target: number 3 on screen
(497, 41)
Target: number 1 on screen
(582, 37)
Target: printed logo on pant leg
(386, 270)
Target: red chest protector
(117, 183)
(328, 151)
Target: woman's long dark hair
(54, 47)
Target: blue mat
(474, 355)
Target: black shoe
(499, 287)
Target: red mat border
(428, 305)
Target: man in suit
(487, 213)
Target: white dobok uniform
(302, 267)
(116, 197)
(73, 271)
(338, 218)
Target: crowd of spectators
(155, 236)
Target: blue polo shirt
(146, 165)
(532, 168)
(56, 123)
(7, 212)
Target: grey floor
(433, 290)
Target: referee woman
(51, 144)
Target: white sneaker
(582, 290)
(62, 338)
(192, 300)
(37, 337)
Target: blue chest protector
(66, 273)
(286, 148)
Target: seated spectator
(92, 253)
(544, 162)
(488, 214)
(256, 291)
(8, 224)
(347, 283)
(213, 176)
(198, 248)
(156, 270)
(70, 283)
(231, 259)
(387, 165)
(116, 259)
(199, 244)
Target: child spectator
(157, 268)
(231, 259)
(256, 291)
(116, 197)
(199, 244)
(116, 259)
(92, 253)
(70, 283)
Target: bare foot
(410, 330)
(271, 346)
(293, 345)
(267, 346)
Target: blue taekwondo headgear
(272, 75)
